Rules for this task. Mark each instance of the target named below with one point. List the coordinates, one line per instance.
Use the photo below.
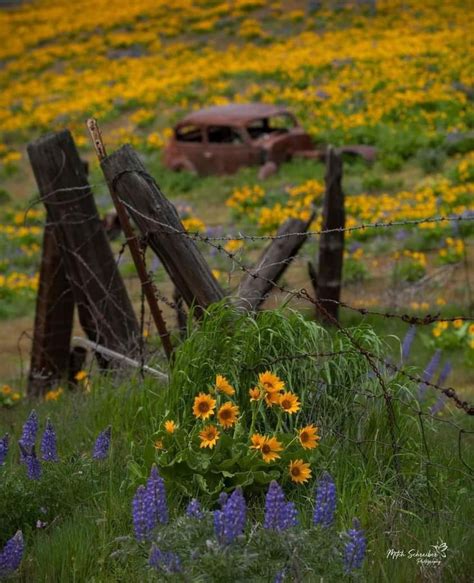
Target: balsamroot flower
(49, 450)
(209, 436)
(325, 501)
(3, 448)
(170, 426)
(309, 437)
(300, 471)
(229, 522)
(272, 386)
(279, 514)
(193, 509)
(204, 406)
(270, 448)
(102, 444)
(11, 555)
(289, 402)
(223, 386)
(354, 551)
(165, 561)
(227, 414)
(33, 466)
(28, 436)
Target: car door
(226, 149)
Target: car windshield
(282, 122)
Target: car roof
(234, 113)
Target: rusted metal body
(222, 139)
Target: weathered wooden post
(258, 283)
(327, 278)
(161, 226)
(53, 320)
(104, 308)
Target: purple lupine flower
(102, 444)
(279, 514)
(407, 342)
(325, 501)
(3, 448)
(354, 551)
(428, 374)
(164, 560)
(223, 496)
(280, 576)
(49, 450)
(33, 465)
(12, 554)
(139, 514)
(441, 400)
(28, 436)
(156, 499)
(193, 509)
(229, 522)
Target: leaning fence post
(53, 319)
(160, 224)
(105, 310)
(134, 246)
(258, 282)
(327, 279)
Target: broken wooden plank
(161, 227)
(105, 310)
(275, 259)
(109, 354)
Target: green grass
(86, 504)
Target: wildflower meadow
(224, 444)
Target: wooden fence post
(105, 311)
(256, 285)
(53, 320)
(161, 226)
(327, 279)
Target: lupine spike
(429, 373)
(156, 494)
(229, 522)
(4, 448)
(193, 509)
(445, 372)
(12, 554)
(49, 450)
(325, 501)
(102, 444)
(33, 465)
(354, 551)
(139, 514)
(279, 514)
(28, 436)
(164, 560)
(407, 342)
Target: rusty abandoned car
(222, 139)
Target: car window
(189, 133)
(282, 122)
(223, 135)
